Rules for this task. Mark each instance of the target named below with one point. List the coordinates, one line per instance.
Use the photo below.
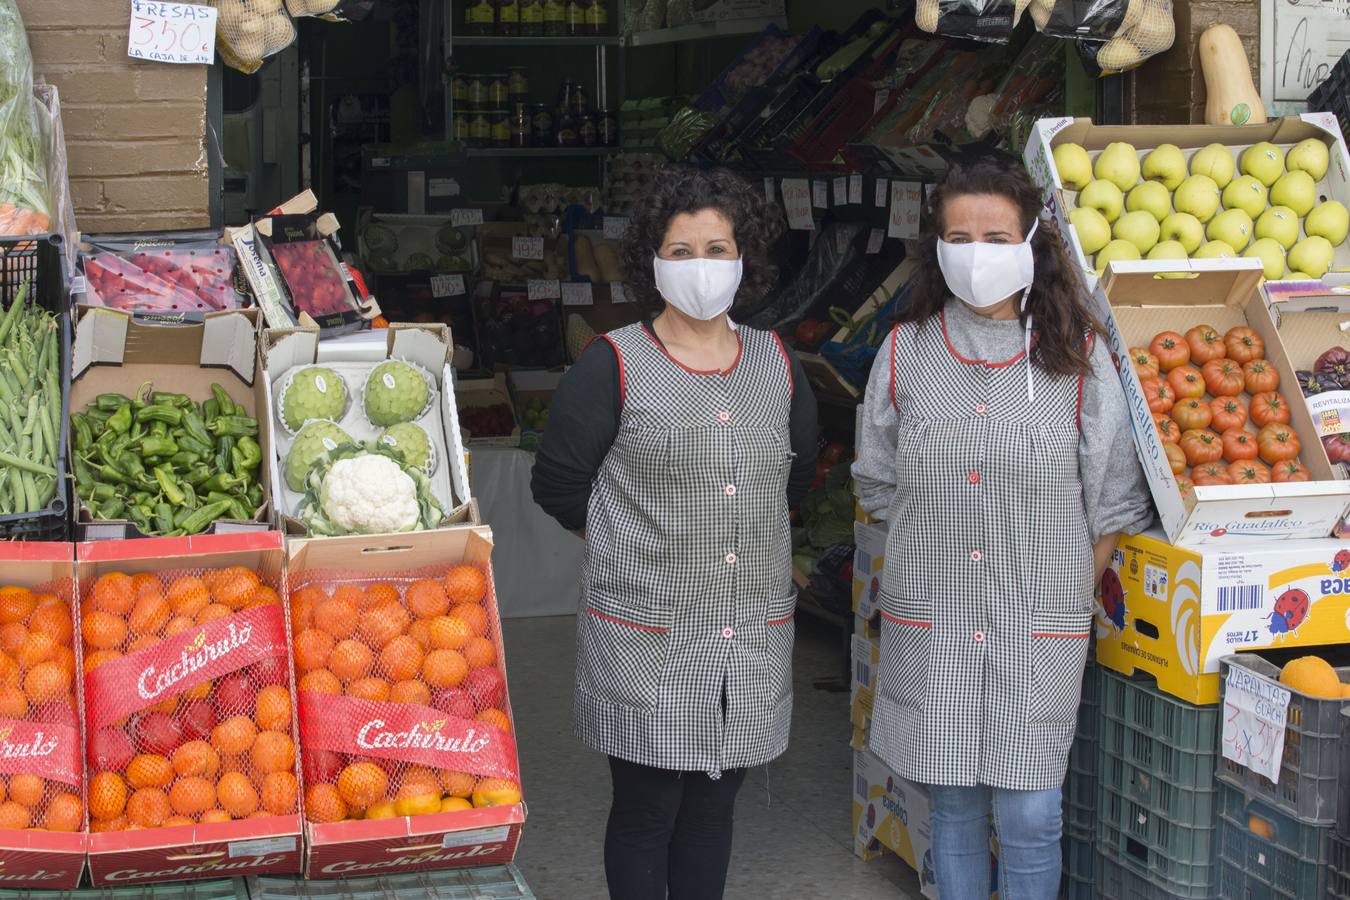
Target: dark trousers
(669, 833)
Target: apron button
(730, 490)
(981, 408)
(724, 416)
(731, 559)
(976, 556)
(973, 478)
(728, 633)
(979, 637)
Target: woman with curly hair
(996, 443)
(676, 446)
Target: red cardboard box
(179, 668)
(403, 735)
(36, 744)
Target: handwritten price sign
(172, 33)
(1255, 712)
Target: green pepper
(251, 452)
(224, 447)
(97, 417)
(199, 476)
(101, 492)
(203, 517)
(164, 517)
(163, 398)
(234, 426)
(194, 426)
(111, 403)
(137, 517)
(184, 459)
(129, 463)
(170, 415)
(109, 474)
(239, 509)
(120, 422)
(158, 446)
(169, 485)
(83, 476)
(223, 482)
(113, 509)
(223, 400)
(254, 494)
(210, 410)
(82, 434)
(187, 442)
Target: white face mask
(984, 275)
(700, 288)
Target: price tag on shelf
(542, 289)
(855, 189)
(447, 285)
(883, 193)
(614, 227)
(842, 238)
(797, 203)
(770, 191)
(527, 247)
(906, 199)
(577, 294)
(464, 218)
(874, 241)
(182, 33)
(820, 195)
(617, 294)
(841, 191)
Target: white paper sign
(447, 285)
(527, 247)
(1255, 712)
(614, 227)
(820, 195)
(842, 238)
(855, 189)
(883, 193)
(172, 33)
(906, 199)
(542, 289)
(1303, 42)
(874, 241)
(616, 293)
(442, 187)
(797, 203)
(841, 191)
(464, 218)
(577, 294)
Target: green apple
(1330, 220)
(1233, 227)
(1167, 250)
(1291, 275)
(1074, 166)
(1264, 162)
(1296, 190)
(1113, 251)
(1271, 255)
(1279, 223)
(1166, 164)
(1309, 156)
(1199, 196)
(1093, 231)
(1104, 197)
(1118, 164)
(1215, 250)
(1139, 228)
(1151, 197)
(1311, 255)
(1247, 193)
(1183, 228)
(1216, 162)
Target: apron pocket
(1059, 645)
(621, 651)
(781, 630)
(906, 646)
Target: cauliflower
(367, 490)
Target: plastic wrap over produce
(977, 20)
(249, 31)
(25, 203)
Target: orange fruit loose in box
(444, 668)
(103, 630)
(1311, 675)
(14, 815)
(457, 784)
(234, 735)
(312, 649)
(26, 789)
(53, 620)
(378, 594)
(480, 651)
(273, 709)
(474, 615)
(496, 792)
(279, 791)
(16, 603)
(455, 804)
(450, 633)
(114, 593)
(196, 758)
(188, 596)
(381, 624)
(272, 752)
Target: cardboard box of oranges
(406, 736)
(42, 839)
(191, 763)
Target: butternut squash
(1230, 96)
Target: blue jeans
(1028, 824)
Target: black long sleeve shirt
(583, 422)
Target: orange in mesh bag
(187, 699)
(402, 696)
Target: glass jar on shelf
(518, 84)
(531, 18)
(480, 17)
(499, 128)
(477, 92)
(587, 132)
(575, 18)
(555, 18)
(480, 130)
(522, 129)
(459, 90)
(508, 17)
(541, 124)
(597, 17)
(566, 132)
(498, 91)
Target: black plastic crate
(1267, 854)
(1079, 881)
(1338, 869)
(1333, 95)
(38, 260)
(1115, 882)
(1310, 769)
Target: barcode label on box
(1240, 597)
(527, 247)
(1156, 583)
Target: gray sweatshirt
(1115, 494)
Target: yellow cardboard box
(1174, 612)
(890, 812)
(869, 558)
(862, 691)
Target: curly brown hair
(678, 189)
(1058, 298)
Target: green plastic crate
(1079, 881)
(219, 889)
(1291, 865)
(1116, 882)
(1338, 868)
(1178, 726)
(479, 883)
(1080, 796)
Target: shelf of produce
(702, 31)
(608, 40)
(539, 152)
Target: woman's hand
(1101, 555)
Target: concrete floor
(793, 830)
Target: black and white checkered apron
(688, 596)
(987, 591)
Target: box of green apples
(1276, 192)
(533, 392)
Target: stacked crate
(1080, 793)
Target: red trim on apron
(740, 349)
(623, 375)
(616, 621)
(973, 362)
(1060, 634)
(910, 622)
(792, 386)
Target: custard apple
(409, 439)
(312, 393)
(314, 440)
(395, 392)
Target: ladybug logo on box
(1290, 611)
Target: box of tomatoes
(191, 760)
(1229, 458)
(406, 736)
(42, 835)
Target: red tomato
(1145, 363)
(1244, 345)
(1238, 445)
(1290, 470)
(1175, 458)
(1187, 381)
(1171, 350)
(1186, 487)
(1191, 414)
(1269, 407)
(1205, 344)
(1168, 431)
(1223, 377)
(1249, 471)
(1261, 376)
(1201, 446)
(1211, 474)
(1161, 397)
(1229, 413)
(1278, 443)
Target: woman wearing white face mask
(677, 445)
(996, 443)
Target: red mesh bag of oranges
(187, 702)
(401, 693)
